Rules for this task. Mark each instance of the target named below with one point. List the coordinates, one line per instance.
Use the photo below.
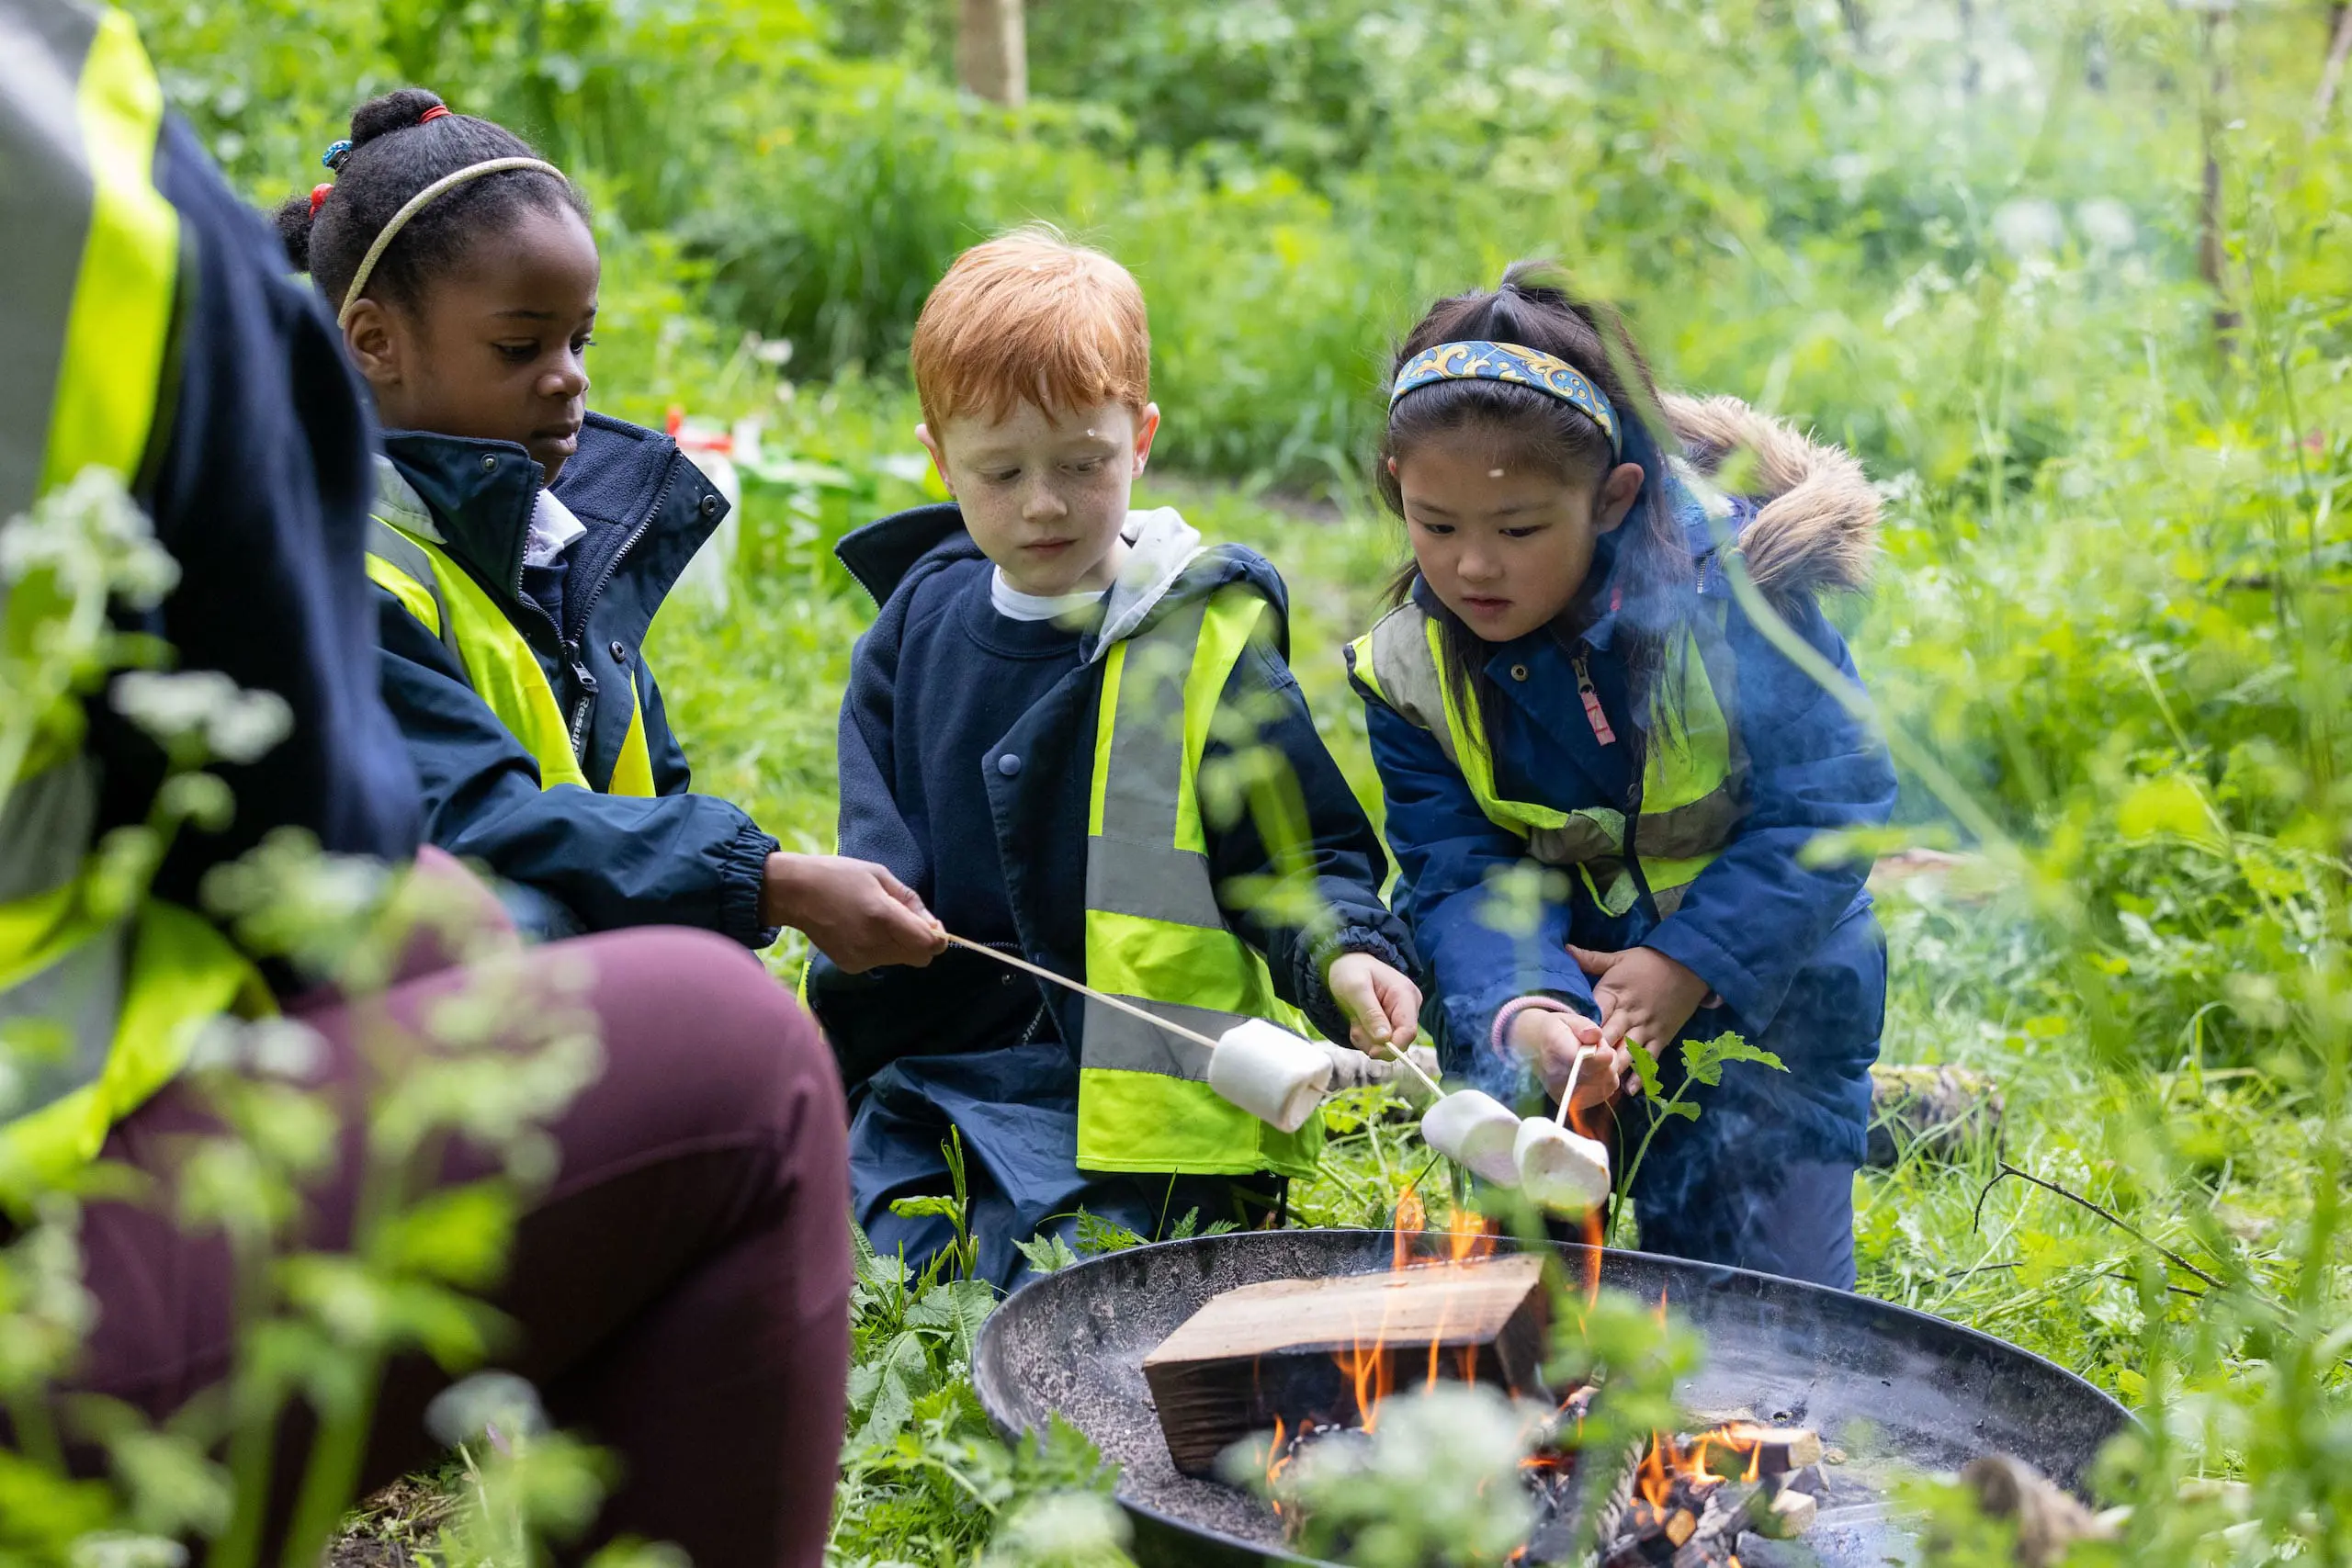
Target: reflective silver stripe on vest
(410, 558)
(45, 831)
(1165, 883)
(46, 827)
(46, 199)
(1132, 866)
(1128, 1044)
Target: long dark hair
(1645, 560)
(395, 152)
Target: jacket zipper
(569, 646)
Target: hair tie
(333, 157)
(436, 112)
(417, 204)
(1519, 367)
(318, 195)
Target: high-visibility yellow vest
(1154, 934)
(498, 661)
(1694, 770)
(118, 999)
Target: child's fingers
(1356, 988)
(1592, 961)
(1400, 1001)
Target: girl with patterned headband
(1568, 678)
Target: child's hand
(1643, 995)
(1553, 1042)
(859, 915)
(1381, 1004)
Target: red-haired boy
(1071, 731)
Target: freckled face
(1045, 494)
(1504, 545)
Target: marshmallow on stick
(1476, 1131)
(1259, 1066)
(1560, 1168)
(1271, 1073)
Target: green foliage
(1961, 238)
(923, 1479)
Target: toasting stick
(1558, 1167)
(1259, 1066)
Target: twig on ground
(2109, 1215)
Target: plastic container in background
(709, 577)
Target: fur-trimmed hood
(1815, 526)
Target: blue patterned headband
(1520, 366)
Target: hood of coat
(634, 490)
(1167, 565)
(1815, 523)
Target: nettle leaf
(1047, 1254)
(1703, 1060)
(1646, 1068)
(960, 1306)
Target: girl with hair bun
(1568, 679)
(680, 1290)
(522, 545)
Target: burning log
(1325, 1351)
(1761, 1450)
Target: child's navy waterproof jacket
(572, 859)
(1791, 949)
(980, 1046)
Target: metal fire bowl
(1896, 1390)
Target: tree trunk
(2339, 44)
(2212, 250)
(992, 53)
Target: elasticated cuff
(742, 875)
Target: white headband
(417, 204)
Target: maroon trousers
(680, 1290)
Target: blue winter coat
(571, 860)
(1792, 950)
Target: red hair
(1029, 316)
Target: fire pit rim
(995, 1402)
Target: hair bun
(295, 216)
(395, 110)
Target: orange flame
(1412, 1218)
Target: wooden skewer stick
(1084, 990)
(1129, 1008)
(1574, 1068)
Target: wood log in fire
(1321, 1350)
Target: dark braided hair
(392, 157)
(1646, 557)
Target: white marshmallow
(1476, 1131)
(1271, 1073)
(1559, 1167)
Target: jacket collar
(477, 494)
(1168, 567)
(634, 491)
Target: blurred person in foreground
(1047, 735)
(521, 545)
(677, 1288)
